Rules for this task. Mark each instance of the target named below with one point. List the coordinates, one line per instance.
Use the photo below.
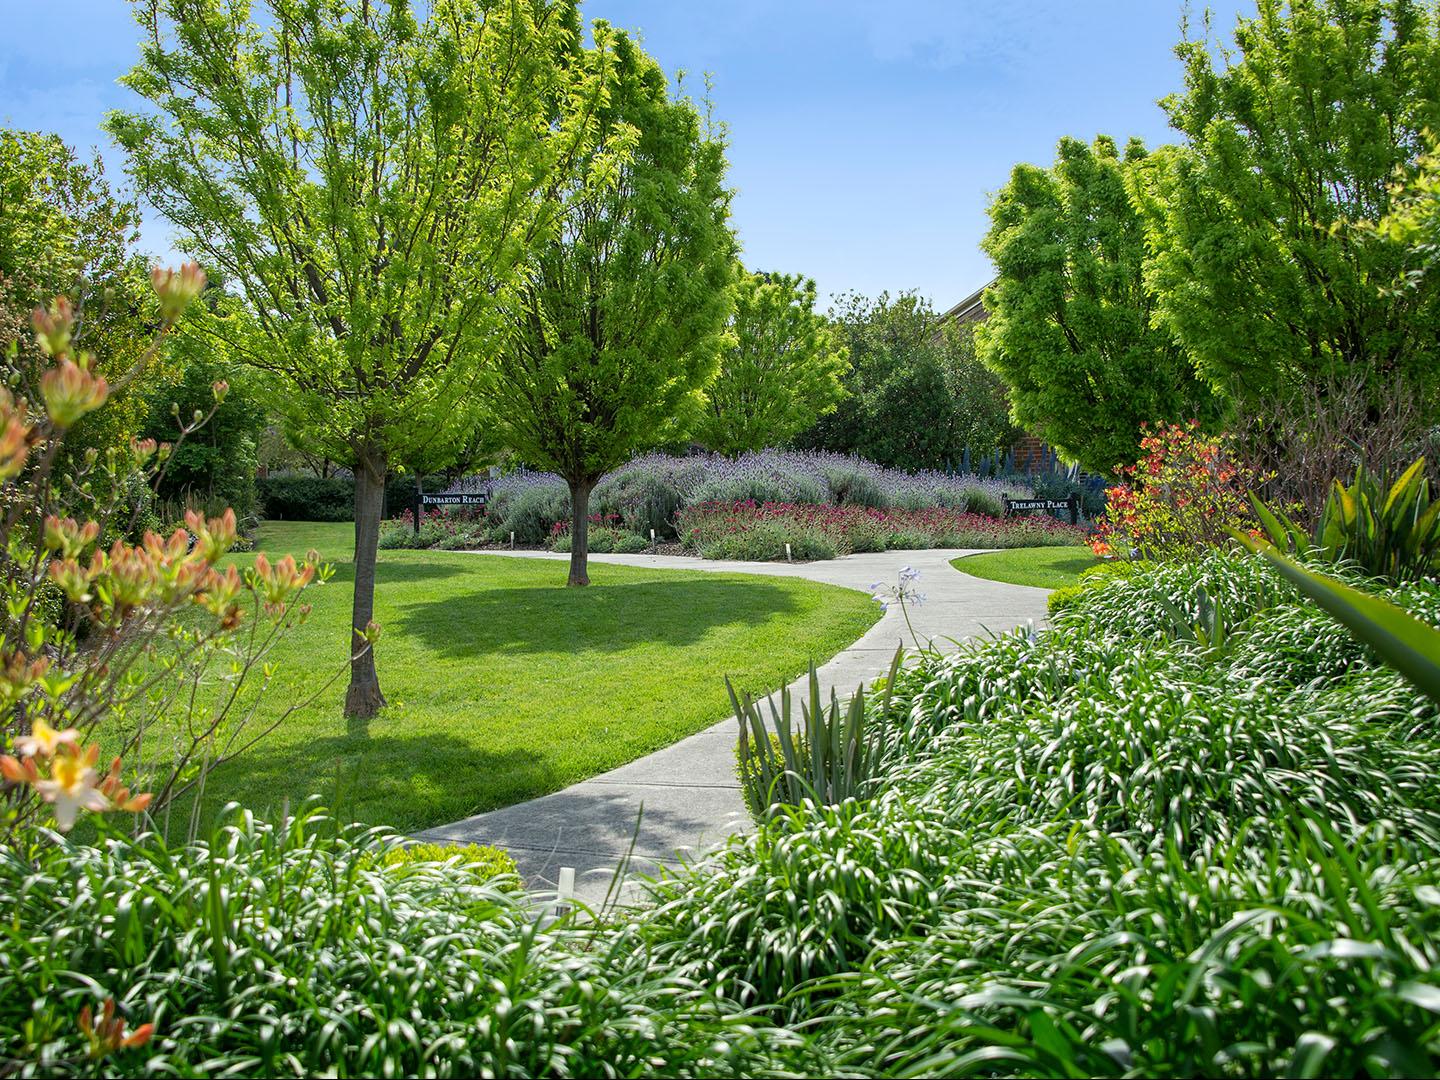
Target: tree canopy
(619, 324)
(64, 230)
(781, 370)
(1070, 327)
(369, 185)
(1292, 137)
(913, 397)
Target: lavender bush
(647, 492)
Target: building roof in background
(971, 309)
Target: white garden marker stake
(564, 890)
(787, 554)
(512, 541)
(652, 540)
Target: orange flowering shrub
(1183, 495)
(92, 637)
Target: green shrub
(827, 754)
(642, 498)
(1392, 533)
(604, 540)
(1093, 577)
(853, 486)
(980, 501)
(532, 513)
(306, 498)
(766, 541)
(631, 544)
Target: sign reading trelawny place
(472, 500)
(1025, 506)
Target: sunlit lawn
(1045, 567)
(504, 685)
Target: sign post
(1025, 506)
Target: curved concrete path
(688, 792)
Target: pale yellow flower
(45, 740)
(71, 788)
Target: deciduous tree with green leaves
(369, 184)
(619, 326)
(1070, 327)
(782, 368)
(912, 400)
(64, 230)
(1294, 135)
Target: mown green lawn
(503, 684)
(1045, 567)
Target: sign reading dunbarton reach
(470, 500)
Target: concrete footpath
(688, 792)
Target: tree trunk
(363, 699)
(580, 532)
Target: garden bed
(1110, 849)
(751, 531)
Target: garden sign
(470, 499)
(1025, 506)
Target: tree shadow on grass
(600, 618)
(360, 777)
(1080, 559)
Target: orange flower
(54, 327)
(15, 432)
(109, 1034)
(176, 288)
(68, 537)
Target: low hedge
(295, 497)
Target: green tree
(65, 231)
(982, 403)
(781, 370)
(911, 401)
(1070, 326)
(217, 463)
(369, 184)
(619, 326)
(1294, 134)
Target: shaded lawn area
(503, 684)
(1044, 567)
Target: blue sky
(866, 135)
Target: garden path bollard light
(787, 554)
(512, 541)
(652, 541)
(564, 890)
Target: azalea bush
(1187, 493)
(150, 652)
(760, 530)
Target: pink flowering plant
(154, 650)
(748, 529)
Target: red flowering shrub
(751, 530)
(1183, 495)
